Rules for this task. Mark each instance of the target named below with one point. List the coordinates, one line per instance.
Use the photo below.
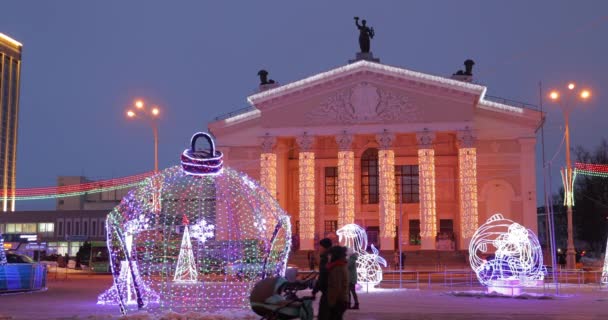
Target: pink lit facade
(372, 144)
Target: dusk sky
(85, 62)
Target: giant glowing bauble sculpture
(368, 264)
(195, 237)
(504, 254)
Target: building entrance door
(373, 236)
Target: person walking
(352, 277)
(321, 284)
(337, 283)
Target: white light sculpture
(605, 269)
(185, 271)
(517, 261)
(368, 265)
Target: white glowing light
(467, 165)
(428, 216)
(202, 231)
(368, 264)
(268, 172)
(605, 268)
(307, 195)
(568, 177)
(185, 272)
(346, 187)
(387, 193)
(518, 258)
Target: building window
(62, 248)
(68, 228)
(46, 227)
(369, 177)
(93, 228)
(102, 226)
(20, 228)
(331, 225)
(85, 228)
(77, 228)
(415, 232)
(331, 185)
(75, 246)
(60, 228)
(446, 228)
(406, 178)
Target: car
(18, 258)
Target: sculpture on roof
(264, 77)
(468, 68)
(365, 34)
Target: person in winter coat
(352, 277)
(321, 284)
(337, 283)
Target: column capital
(465, 138)
(385, 139)
(344, 141)
(425, 139)
(305, 142)
(268, 142)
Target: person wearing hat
(337, 283)
(321, 285)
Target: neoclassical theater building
(393, 150)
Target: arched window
(369, 176)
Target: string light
(428, 217)
(604, 279)
(307, 195)
(346, 187)
(368, 264)
(467, 165)
(268, 172)
(387, 193)
(518, 257)
(2, 253)
(217, 233)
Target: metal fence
(22, 277)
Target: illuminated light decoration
(2, 253)
(387, 193)
(346, 187)
(428, 216)
(10, 40)
(467, 169)
(243, 236)
(568, 177)
(268, 172)
(604, 279)
(518, 258)
(597, 168)
(368, 264)
(185, 271)
(255, 113)
(202, 162)
(307, 195)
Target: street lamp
(151, 115)
(566, 102)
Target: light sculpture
(604, 279)
(210, 220)
(2, 253)
(368, 264)
(517, 259)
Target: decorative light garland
(368, 265)
(346, 187)
(2, 253)
(387, 193)
(517, 260)
(240, 235)
(307, 195)
(268, 172)
(428, 216)
(467, 168)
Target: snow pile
(483, 294)
(220, 315)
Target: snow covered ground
(76, 297)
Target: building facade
(406, 155)
(10, 79)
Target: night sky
(84, 63)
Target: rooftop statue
(365, 34)
(264, 77)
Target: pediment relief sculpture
(364, 103)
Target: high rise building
(10, 77)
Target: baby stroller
(276, 298)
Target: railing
(511, 102)
(234, 113)
(22, 277)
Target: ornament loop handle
(203, 162)
(207, 137)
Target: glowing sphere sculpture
(368, 264)
(195, 237)
(504, 253)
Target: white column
(268, 165)
(386, 159)
(306, 191)
(346, 180)
(467, 185)
(428, 215)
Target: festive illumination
(268, 172)
(467, 167)
(387, 193)
(346, 187)
(368, 264)
(185, 271)
(2, 253)
(568, 177)
(307, 195)
(604, 279)
(428, 217)
(517, 259)
(217, 234)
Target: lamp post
(150, 115)
(566, 104)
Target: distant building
(10, 79)
(105, 200)
(396, 151)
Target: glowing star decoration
(213, 220)
(185, 272)
(368, 264)
(506, 256)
